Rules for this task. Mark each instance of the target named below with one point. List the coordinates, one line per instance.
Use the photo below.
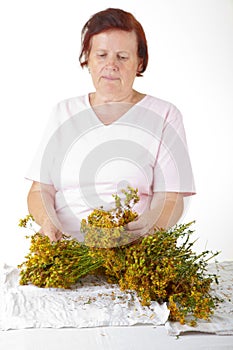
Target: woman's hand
(142, 226)
(50, 230)
(165, 210)
(41, 199)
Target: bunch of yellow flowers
(57, 264)
(157, 267)
(105, 228)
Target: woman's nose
(111, 64)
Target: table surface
(110, 338)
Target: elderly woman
(99, 143)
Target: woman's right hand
(41, 199)
(50, 230)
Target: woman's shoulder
(159, 105)
(73, 105)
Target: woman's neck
(110, 111)
(132, 97)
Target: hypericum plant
(105, 228)
(160, 267)
(55, 264)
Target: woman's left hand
(142, 226)
(165, 210)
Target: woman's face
(113, 63)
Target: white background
(191, 64)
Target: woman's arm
(41, 200)
(165, 210)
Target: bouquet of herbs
(57, 264)
(161, 266)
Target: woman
(115, 136)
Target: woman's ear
(140, 65)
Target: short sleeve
(35, 172)
(43, 168)
(173, 170)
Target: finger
(53, 236)
(58, 235)
(41, 232)
(135, 225)
(132, 237)
(136, 234)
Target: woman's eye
(101, 55)
(123, 58)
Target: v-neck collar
(117, 121)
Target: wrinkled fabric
(93, 303)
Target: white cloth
(88, 161)
(94, 303)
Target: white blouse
(87, 161)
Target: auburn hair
(113, 18)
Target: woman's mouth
(107, 77)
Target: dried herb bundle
(105, 229)
(160, 269)
(58, 264)
(161, 266)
